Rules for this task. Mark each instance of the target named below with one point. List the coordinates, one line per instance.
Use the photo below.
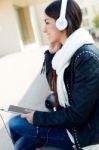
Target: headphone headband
(61, 22)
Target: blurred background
(21, 23)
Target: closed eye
(46, 22)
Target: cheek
(54, 34)
(57, 35)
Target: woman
(76, 88)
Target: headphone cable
(4, 124)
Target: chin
(51, 40)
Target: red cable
(6, 127)
(41, 148)
(46, 142)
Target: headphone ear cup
(61, 24)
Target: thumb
(23, 115)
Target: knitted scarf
(62, 58)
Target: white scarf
(62, 58)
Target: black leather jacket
(81, 118)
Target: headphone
(61, 22)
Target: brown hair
(73, 14)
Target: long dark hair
(73, 14)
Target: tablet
(16, 109)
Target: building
(89, 10)
(21, 23)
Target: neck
(63, 38)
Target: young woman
(76, 88)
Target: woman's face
(53, 34)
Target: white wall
(9, 34)
(39, 11)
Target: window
(85, 22)
(84, 11)
(25, 25)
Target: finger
(28, 110)
(23, 115)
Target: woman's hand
(54, 47)
(28, 116)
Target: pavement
(20, 84)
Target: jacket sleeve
(85, 91)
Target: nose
(45, 30)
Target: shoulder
(88, 52)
